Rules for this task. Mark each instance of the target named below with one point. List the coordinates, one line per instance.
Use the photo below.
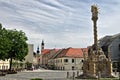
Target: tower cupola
(42, 45)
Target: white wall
(29, 57)
(61, 64)
(4, 64)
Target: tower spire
(38, 51)
(42, 45)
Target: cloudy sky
(60, 23)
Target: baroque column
(94, 11)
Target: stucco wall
(29, 57)
(62, 65)
(4, 64)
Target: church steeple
(38, 51)
(42, 45)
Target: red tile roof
(45, 51)
(72, 52)
(57, 50)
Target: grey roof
(107, 40)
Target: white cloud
(61, 23)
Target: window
(82, 68)
(6, 67)
(82, 61)
(105, 48)
(3, 67)
(119, 47)
(73, 60)
(88, 66)
(65, 60)
(73, 67)
(63, 68)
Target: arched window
(82, 61)
(73, 60)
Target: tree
(13, 45)
(19, 47)
(4, 43)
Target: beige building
(68, 63)
(68, 59)
(62, 59)
(4, 64)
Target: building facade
(112, 44)
(4, 64)
(29, 57)
(62, 59)
(67, 59)
(68, 63)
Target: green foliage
(21, 64)
(12, 44)
(28, 64)
(19, 47)
(4, 43)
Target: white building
(4, 64)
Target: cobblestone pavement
(44, 74)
